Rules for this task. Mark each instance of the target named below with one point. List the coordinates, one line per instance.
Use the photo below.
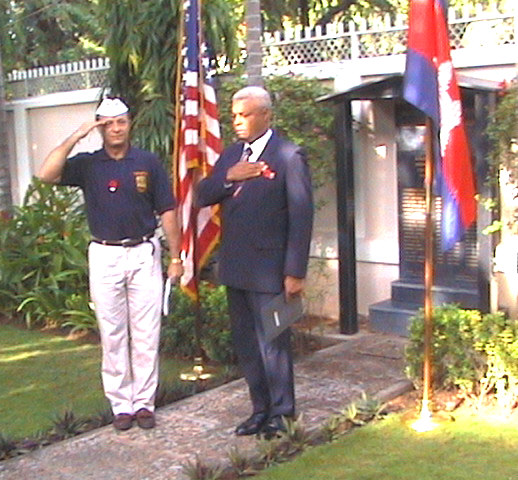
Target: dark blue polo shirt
(122, 197)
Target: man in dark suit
(263, 185)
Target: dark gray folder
(279, 314)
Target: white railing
(79, 75)
(376, 37)
(61, 69)
(363, 38)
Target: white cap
(111, 107)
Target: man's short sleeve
(73, 174)
(163, 198)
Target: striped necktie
(246, 154)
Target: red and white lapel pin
(113, 185)
(266, 172)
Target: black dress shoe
(273, 426)
(252, 425)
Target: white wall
(376, 215)
(37, 125)
(322, 281)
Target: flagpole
(196, 275)
(424, 421)
(194, 219)
(177, 96)
(201, 82)
(197, 372)
(428, 271)
(198, 145)
(198, 360)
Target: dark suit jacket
(266, 227)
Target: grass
(43, 375)
(472, 447)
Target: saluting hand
(87, 127)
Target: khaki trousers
(126, 288)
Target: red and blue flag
(430, 85)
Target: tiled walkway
(203, 425)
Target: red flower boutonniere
(113, 185)
(267, 173)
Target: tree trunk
(304, 12)
(5, 177)
(254, 58)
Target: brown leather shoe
(145, 418)
(123, 421)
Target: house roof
(392, 87)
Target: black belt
(125, 242)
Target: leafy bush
(497, 337)
(216, 337)
(502, 132)
(456, 362)
(177, 335)
(471, 351)
(503, 153)
(43, 272)
(178, 328)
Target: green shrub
(456, 362)
(471, 351)
(178, 335)
(497, 337)
(43, 272)
(502, 132)
(216, 337)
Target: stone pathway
(203, 425)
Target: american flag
(198, 147)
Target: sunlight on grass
(38, 353)
(42, 375)
(469, 448)
(43, 342)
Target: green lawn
(470, 448)
(43, 375)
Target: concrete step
(390, 316)
(413, 293)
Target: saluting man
(125, 189)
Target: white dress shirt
(258, 145)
